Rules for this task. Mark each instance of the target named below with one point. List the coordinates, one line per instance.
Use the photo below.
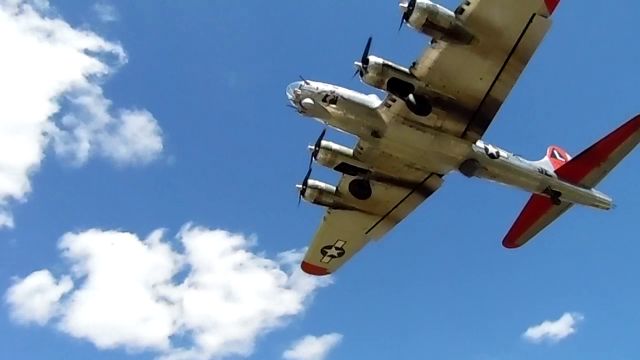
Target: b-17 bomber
(432, 122)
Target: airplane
(431, 123)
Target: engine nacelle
(320, 193)
(339, 158)
(437, 22)
(323, 194)
(379, 71)
(400, 82)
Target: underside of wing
(480, 75)
(344, 232)
(341, 235)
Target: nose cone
(293, 90)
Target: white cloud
(106, 12)
(554, 331)
(130, 136)
(51, 89)
(35, 298)
(313, 347)
(216, 296)
(6, 219)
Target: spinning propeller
(408, 8)
(305, 81)
(315, 150)
(364, 60)
(303, 186)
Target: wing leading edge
(481, 75)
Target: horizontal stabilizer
(536, 215)
(587, 170)
(592, 165)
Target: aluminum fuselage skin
(431, 150)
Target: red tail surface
(587, 169)
(557, 156)
(593, 164)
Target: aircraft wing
(343, 232)
(479, 76)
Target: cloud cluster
(554, 331)
(36, 297)
(51, 94)
(313, 347)
(215, 296)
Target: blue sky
(208, 78)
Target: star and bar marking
(334, 251)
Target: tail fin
(557, 157)
(587, 169)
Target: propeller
(305, 81)
(408, 8)
(364, 60)
(315, 149)
(303, 186)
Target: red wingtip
(551, 5)
(510, 244)
(313, 269)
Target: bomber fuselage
(438, 152)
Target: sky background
(213, 76)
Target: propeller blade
(304, 80)
(303, 187)
(316, 147)
(365, 54)
(305, 182)
(314, 153)
(408, 12)
(363, 64)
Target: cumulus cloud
(35, 298)
(51, 94)
(216, 295)
(313, 347)
(554, 331)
